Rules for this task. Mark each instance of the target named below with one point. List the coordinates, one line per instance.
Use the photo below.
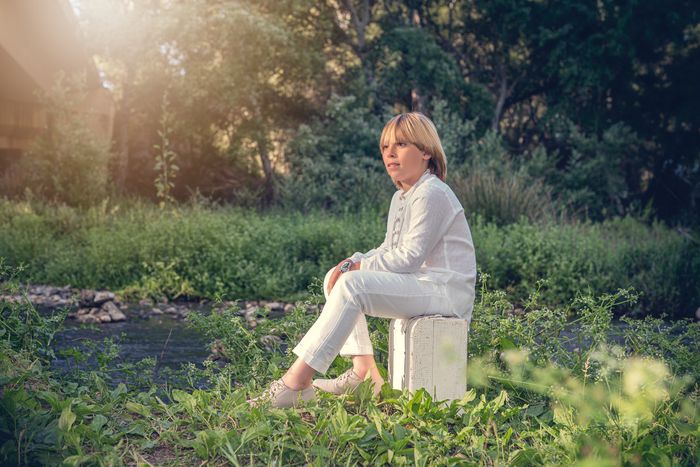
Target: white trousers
(341, 328)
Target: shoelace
(346, 376)
(275, 387)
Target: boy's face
(404, 162)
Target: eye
(401, 144)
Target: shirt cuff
(357, 256)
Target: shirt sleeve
(431, 216)
(359, 256)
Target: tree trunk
(122, 133)
(417, 101)
(501, 100)
(269, 193)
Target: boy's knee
(353, 286)
(351, 280)
(326, 279)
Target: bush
(595, 177)
(497, 188)
(203, 251)
(654, 260)
(67, 163)
(334, 162)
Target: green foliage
(498, 188)
(67, 163)
(582, 158)
(609, 99)
(335, 164)
(165, 157)
(410, 65)
(200, 250)
(655, 261)
(602, 404)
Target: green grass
(530, 401)
(209, 251)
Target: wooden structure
(429, 352)
(39, 39)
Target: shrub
(595, 176)
(492, 185)
(67, 163)
(334, 162)
(203, 251)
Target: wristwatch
(345, 267)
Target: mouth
(392, 165)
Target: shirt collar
(422, 178)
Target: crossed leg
(342, 327)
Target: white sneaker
(280, 395)
(347, 382)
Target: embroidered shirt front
(428, 235)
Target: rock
(171, 310)
(64, 302)
(288, 308)
(156, 311)
(94, 311)
(104, 317)
(276, 306)
(146, 302)
(115, 314)
(44, 290)
(103, 296)
(82, 311)
(218, 352)
(271, 341)
(87, 319)
(87, 297)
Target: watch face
(345, 267)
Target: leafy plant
(165, 156)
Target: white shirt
(427, 235)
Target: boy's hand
(336, 273)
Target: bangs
(397, 129)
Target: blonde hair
(419, 130)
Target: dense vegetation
(572, 143)
(232, 253)
(272, 103)
(532, 400)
